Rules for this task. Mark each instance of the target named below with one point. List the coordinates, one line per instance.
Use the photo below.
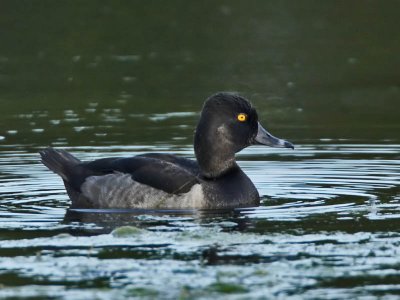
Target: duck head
(228, 123)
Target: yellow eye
(242, 117)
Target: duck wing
(185, 163)
(161, 171)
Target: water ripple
(329, 215)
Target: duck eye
(242, 117)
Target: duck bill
(265, 138)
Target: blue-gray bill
(265, 138)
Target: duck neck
(214, 159)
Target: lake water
(128, 78)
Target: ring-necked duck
(228, 124)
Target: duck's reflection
(101, 221)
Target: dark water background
(127, 77)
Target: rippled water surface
(127, 78)
(327, 227)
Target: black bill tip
(288, 145)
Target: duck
(228, 123)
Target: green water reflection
(314, 69)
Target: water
(327, 227)
(126, 79)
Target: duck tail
(59, 161)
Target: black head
(229, 121)
(228, 124)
